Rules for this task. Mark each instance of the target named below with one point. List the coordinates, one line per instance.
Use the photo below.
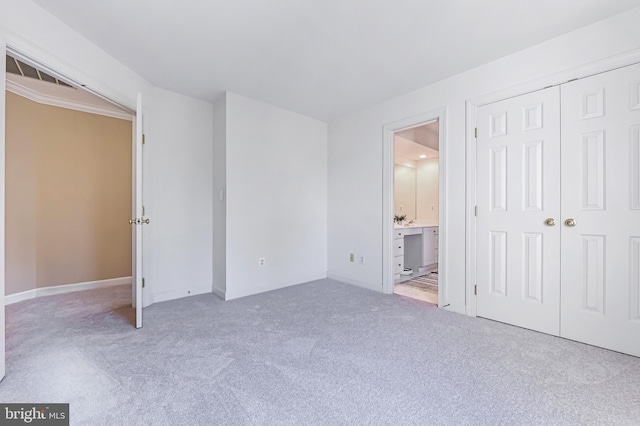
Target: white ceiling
(321, 58)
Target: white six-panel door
(568, 155)
(601, 192)
(518, 253)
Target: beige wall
(68, 196)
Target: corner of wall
(220, 195)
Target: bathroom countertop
(416, 225)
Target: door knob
(570, 222)
(145, 221)
(550, 222)
(132, 221)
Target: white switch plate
(262, 261)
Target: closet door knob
(570, 222)
(550, 222)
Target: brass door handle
(145, 221)
(570, 222)
(132, 221)
(550, 222)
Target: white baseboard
(19, 297)
(244, 292)
(455, 307)
(218, 292)
(369, 286)
(66, 288)
(177, 294)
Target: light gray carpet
(321, 353)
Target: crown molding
(41, 98)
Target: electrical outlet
(362, 260)
(352, 257)
(262, 261)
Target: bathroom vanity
(416, 248)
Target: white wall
(276, 175)
(178, 196)
(219, 190)
(355, 148)
(427, 200)
(178, 179)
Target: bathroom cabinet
(415, 247)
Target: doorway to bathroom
(415, 246)
(416, 205)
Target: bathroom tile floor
(413, 289)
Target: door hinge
(475, 212)
(475, 290)
(142, 210)
(143, 283)
(476, 132)
(143, 139)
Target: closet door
(518, 196)
(601, 210)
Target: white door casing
(601, 192)
(518, 259)
(3, 82)
(137, 225)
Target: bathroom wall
(427, 199)
(416, 190)
(405, 191)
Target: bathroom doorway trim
(388, 131)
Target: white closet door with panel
(558, 227)
(601, 195)
(518, 173)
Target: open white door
(3, 82)
(137, 221)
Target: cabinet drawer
(398, 247)
(398, 265)
(412, 231)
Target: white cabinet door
(601, 192)
(429, 246)
(518, 168)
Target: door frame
(388, 132)
(472, 106)
(32, 56)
